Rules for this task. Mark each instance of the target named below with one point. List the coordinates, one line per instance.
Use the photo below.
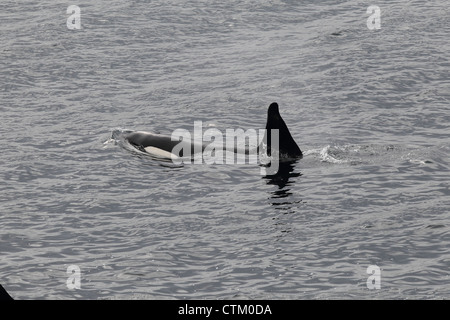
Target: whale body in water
(164, 145)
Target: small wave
(355, 154)
(328, 154)
(420, 162)
(117, 134)
(331, 155)
(116, 138)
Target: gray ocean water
(369, 109)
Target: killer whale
(163, 145)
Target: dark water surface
(369, 109)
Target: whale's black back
(287, 145)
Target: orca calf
(4, 295)
(163, 145)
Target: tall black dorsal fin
(287, 145)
